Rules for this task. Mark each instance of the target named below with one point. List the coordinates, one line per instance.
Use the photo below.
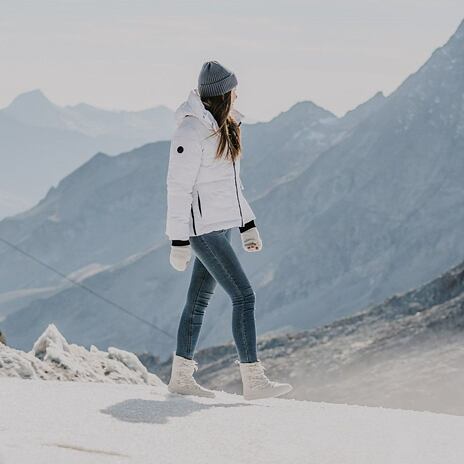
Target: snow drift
(53, 358)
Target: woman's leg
(201, 288)
(218, 257)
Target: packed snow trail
(80, 422)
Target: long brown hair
(229, 130)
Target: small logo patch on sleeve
(180, 149)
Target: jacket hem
(217, 226)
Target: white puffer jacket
(203, 193)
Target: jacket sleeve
(247, 226)
(184, 164)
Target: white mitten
(180, 256)
(251, 240)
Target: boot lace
(256, 375)
(186, 374)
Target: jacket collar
(193, 106)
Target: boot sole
(270, 393)
(180, 392)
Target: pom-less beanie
(215, 79)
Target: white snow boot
(182, 380)
(255, 383)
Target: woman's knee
(244, 296)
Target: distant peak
(308, 106)
(306, 110)
(366, 107)
(83, 107)
(34, 92)
(35, 97)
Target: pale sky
(141, 53)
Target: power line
(87, 289)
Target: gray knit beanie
(215, 79)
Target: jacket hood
(193, 106)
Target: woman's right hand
(180, 256)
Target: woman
(204, 203)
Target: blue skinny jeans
(216, 261)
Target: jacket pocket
(219, 201)
(199, 203)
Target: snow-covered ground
(76, 422)
(64, 404)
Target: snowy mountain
(136, 127)
(67, 404)
(35, 109)
(407, 352)
(41, 142)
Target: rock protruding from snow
(53, 358)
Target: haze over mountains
(351, 210)
(41, 142)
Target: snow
(78, 422)
(53, 358)
(114, 411)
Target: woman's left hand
(251, 241)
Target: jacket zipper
(193, 218)
(199, 203)
(236, 191)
